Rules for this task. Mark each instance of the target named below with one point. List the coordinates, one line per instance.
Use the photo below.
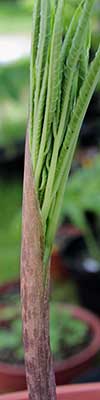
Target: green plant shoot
(62, 84)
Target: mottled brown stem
(34, 297)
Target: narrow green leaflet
(35, 36)
(53, 86)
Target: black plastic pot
(12, 153)
(90, 131)
(86, 273)
(94, 106)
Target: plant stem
(35, 297)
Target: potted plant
(59, 98)
(71, 345)
(74, 346)
(12, 371)
(84, 211)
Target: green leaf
(8, 340)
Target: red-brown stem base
(34, 297)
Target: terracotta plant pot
(58, 271)
(7, 287)
(69, 369)
(12, 377)
(73, 392)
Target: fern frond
(75, 124)
(70, 34)
(34, 46)
(44, 37)
(65, 52)
(71, 140)
(84, 58)
(70, 70)
(73, 58)
(43, 184)
(53, 85)
(37, 127)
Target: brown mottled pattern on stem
(35, 299)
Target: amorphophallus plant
(61, 85)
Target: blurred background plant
(82, 197)
(13, 105)
(10, 228)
